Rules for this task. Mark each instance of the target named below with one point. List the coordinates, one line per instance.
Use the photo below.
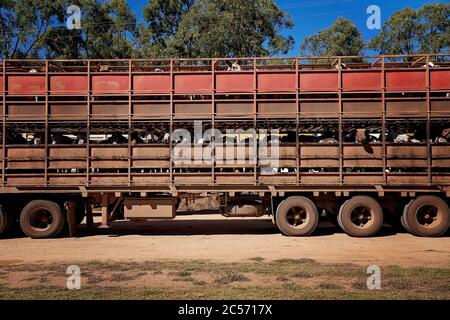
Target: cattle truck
(364, 140)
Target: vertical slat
(297, 112)
(383, 102)
(47, 115)
(213, 112)
(428, 85)
(341, 137)
(172, 88)
(255, 115)
(4, 122)
(130, 112)
(88, 125)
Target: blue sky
(311, 16)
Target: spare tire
(42, 219)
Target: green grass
(251, 279)
(232, 277)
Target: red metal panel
(405, 80)
(68, 84)
(26, 84)
(440, 79)
(1, 84)
(156, 83)
(319, 81)
(276, 82)
(193, 83)
(110, 84)
(361, 81)
(234, 82)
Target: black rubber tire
(56, 226)
(311, 213)
(376, 213)
(403, 221)
(6, 221)
(412, 224)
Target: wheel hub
(361, 216)
(427, 215)
(41, 219)
(297, 216)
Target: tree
(24, 26)
(399, 35)
(106, 32)
(162, 18)
(37, 28)
(341, 39)
(218, 28)
(435, 35)
(409, 31)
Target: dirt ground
(214, 238)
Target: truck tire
(361, 216)
(427, 216)
(403, 221)
(42, 219)
(6, 221)
(297, 216)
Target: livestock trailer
(363, 139)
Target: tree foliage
(213, 28)
(201, 28)
(426, 30)
(162, 18)
(36, 28)
(232, 28)
(24, 26)
(341, 39)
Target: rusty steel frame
(176, 67)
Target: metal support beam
(105, 212)
(71, 217)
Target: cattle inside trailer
(365, 140)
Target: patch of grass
(295, 261)
(257, 259)
(283, 279)
(181, 274)
(199, 282)
(329, 286)
(359, 284)
(232, 277)
(94, 279)
(122, 277)
(302, 274)
(313, 281)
